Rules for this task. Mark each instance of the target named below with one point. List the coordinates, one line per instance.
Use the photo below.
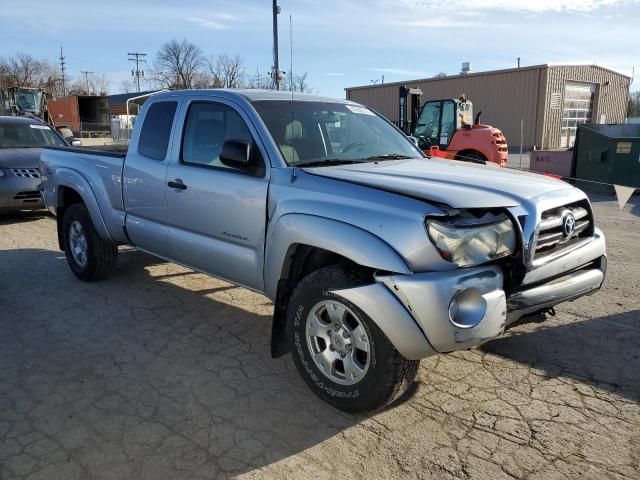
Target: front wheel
(340, 352)
(90, 257)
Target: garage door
(577, 108)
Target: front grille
(26, 172)
(28, 197)
(553, 237)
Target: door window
(448, 122)
(429, 122)
(207, 127)
(156, 130)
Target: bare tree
(23, 70)
(91, 85)
(178, 64)
(634, 104)
(440, 75)
(127, 86)
(260, 81)
(226, 71)
(298, 83)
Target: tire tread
(398, 374)
(105, 252)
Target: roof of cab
(26, 120)
(255, 95)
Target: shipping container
(85, 115)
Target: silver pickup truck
(374, 255)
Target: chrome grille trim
(552, 239)
(26, 172)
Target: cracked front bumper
(422, 313)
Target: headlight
(1, 173)
(472, 244)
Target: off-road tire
(102, 255)
(389, 374)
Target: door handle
(177, 183)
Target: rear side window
(154, 137)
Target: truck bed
(102, 172)
(117, 151)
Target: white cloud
(531, 6)
(450, 22)
(205, 23)
(225, 16)
(214, 22)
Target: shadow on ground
(146, 376)
(11, 217)
(602, 352)
(146, 373)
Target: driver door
(216, 213)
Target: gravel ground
(161, 372)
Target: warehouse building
(539, 106)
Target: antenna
(62, 64)
(293, 156)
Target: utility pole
(62, 64)
(137, 73)
(86, 79)
(275, 72)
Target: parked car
(21, 140)
(373, 255)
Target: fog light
(467, 308)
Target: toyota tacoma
(373, 255)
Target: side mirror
(76, 143)
(235, 153)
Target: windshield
(25, 135)
(327, 132)
(28, 101)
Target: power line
(86, 79)
(137, 73)
(62, 64)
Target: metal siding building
(540, 96)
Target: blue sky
(339, 43)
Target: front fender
(65, 177)
(346, 240)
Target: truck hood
(456, 184)
(19, 157)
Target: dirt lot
(161, 372)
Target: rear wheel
(90, 257)
(340, 352)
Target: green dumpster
(607, 154)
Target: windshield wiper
(328, 162)
(388, 156)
